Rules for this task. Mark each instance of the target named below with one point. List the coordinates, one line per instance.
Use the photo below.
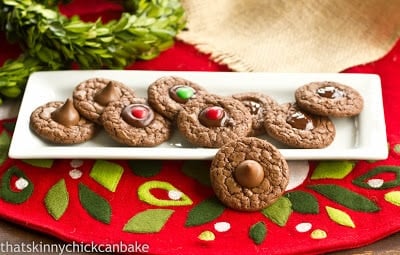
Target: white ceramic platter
(360, 137)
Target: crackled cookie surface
(292, 126)
(92, 96)
(134, 123)
(329, 98)
(168, 94)
(258, 104)
(211, 121)
(59, 122)
(249, 174)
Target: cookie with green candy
(168, 94)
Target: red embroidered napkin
(168, 207)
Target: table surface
(16, 234)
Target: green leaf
(145, 195)
(198, 170)
(393, 197)
(258, 232)
(361, 181)
(94, 204)
(333, 169)
(57, 199)
(206, 211)
(107, 173)
(346, 197)
(145, 168)
(148, 221)
(44, 163)
(303, 202)
(279, 212)
(5, 141)
(340, 217)
(8, 194)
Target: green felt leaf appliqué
(43, 163)
(340, 217)
(5, 141)
(148, 221)
(333, 169)
(198, 170)
(145, 168)
(362, 180)
(258, 232)
(144, 193)
(107, 173)
(303, 202)
(346, 197)
(16, 197)
(206, 211)
(393, 197)
(279, 211)
(94, 204)
(57, 199)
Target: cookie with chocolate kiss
(249, 174)
(59, 122)
(93, 95)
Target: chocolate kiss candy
(66, 115)
(249, 173)
(108, 94)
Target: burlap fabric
(292, 35)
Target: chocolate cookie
(92, 95)
(329, 98)
(134, 123)
(167, 95)
(290, 125)
(211, 121)
(258, 104)
(59, 122)
(249, 174)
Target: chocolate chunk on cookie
(211, 121)
(134, 123)
(292, 126)
(92, 96)
(167, 94)
(59, 122)
(249, 174)
(258, 104)
(329, 98)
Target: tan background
(292, 35)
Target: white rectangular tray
(360, 137)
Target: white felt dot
(21, 183)
(174, 194)
(303, 227)
(375, 183)
(222, 226)
(75, 174)
(76, 163)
